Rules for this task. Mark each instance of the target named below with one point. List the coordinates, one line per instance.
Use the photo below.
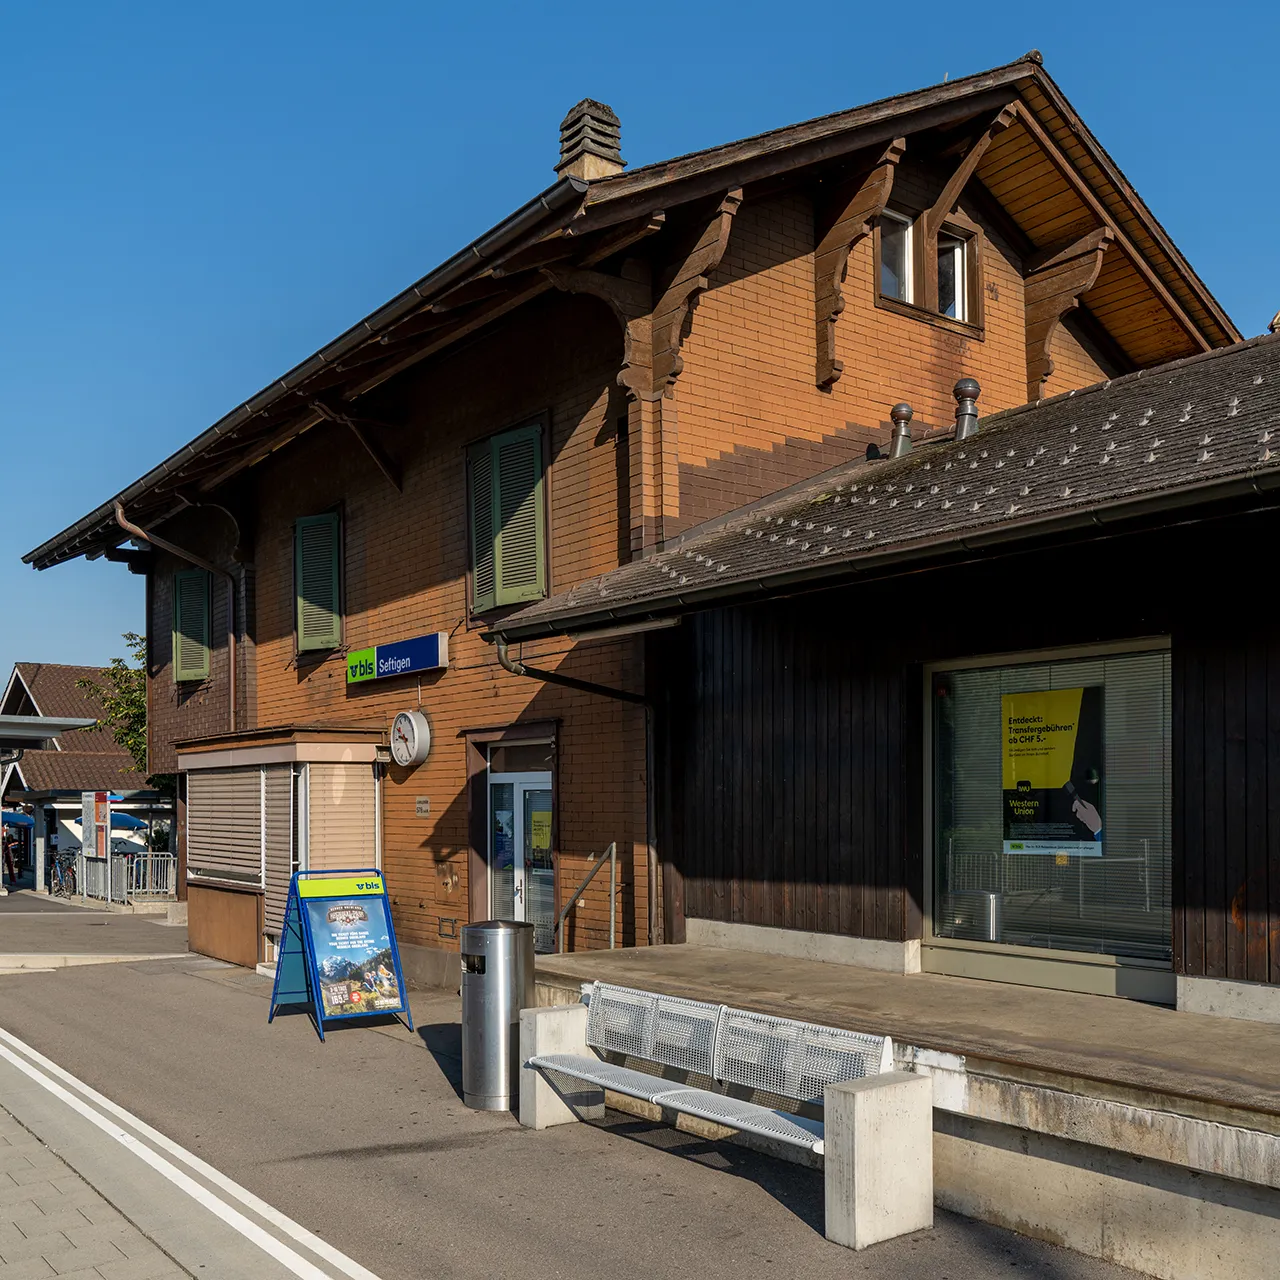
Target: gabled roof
(583, 224)
(83, 759)
(52, 689)
(1195, 431)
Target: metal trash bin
(497, 982)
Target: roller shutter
(224, 825)
(343, 816)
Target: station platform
(1132, 1132)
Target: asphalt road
(365, 1140)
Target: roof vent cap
(966, 392)
(590, 142)
(900, 443)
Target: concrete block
(1253, 1001)
(546, 1101)
(878, 1144)
(829, 948)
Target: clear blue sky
(197, 197)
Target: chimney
(590, 142)
(900, 443)
(966, 392)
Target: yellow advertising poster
(540, 829)
(1052, 757)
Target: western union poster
(1053, 771)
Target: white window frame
(959, 248)
(909, 263)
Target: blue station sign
(422, 653)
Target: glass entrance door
(521, 867)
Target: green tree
(123, 694)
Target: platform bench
(875, 1135)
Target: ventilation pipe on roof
(900, 444)
(966, 392)
(134, 531)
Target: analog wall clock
(410, 738)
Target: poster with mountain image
(354, 962)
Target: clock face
(410, 738)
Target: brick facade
(744, 419)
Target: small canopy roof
(37, 732)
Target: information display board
(1053, 771)
(338, 954)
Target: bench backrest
(755, 1050)
(677, 1033)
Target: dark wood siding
(1226, 891)
(791, 736)
(787, 801)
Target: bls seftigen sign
(422, 653)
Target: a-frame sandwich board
(338, 955)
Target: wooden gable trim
(1095, 206)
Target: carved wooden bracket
(843, 219)
(685, 278)
(653, 327)
(956, 184)
(382, 460)
(944, 206)
(1055, 279)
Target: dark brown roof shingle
(1200, 428)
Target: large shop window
(1051, 803)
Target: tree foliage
(123, 694)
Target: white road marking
(286, 1256)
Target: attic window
(896, 257)
(953, 293)
(935, 278)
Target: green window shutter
(520, 568)
(190, 625)
(483, 594)
(316, 553)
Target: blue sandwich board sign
(338, 953)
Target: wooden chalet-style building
(594, 433)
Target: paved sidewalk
(52, 1223)
(33, 936)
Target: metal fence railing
(125, 876)
(152, 875)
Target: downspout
(134, 531)
(518, 668)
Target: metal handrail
(612, 854)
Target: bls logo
(362, 669)
(369, 884)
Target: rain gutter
(552, 201)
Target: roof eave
(547, 204)
(889, 559)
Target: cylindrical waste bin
(497, 982)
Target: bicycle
(62, 875)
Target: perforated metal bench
(729, 1048)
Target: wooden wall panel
(1226, 893)
(225, 924)
(786, 753)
